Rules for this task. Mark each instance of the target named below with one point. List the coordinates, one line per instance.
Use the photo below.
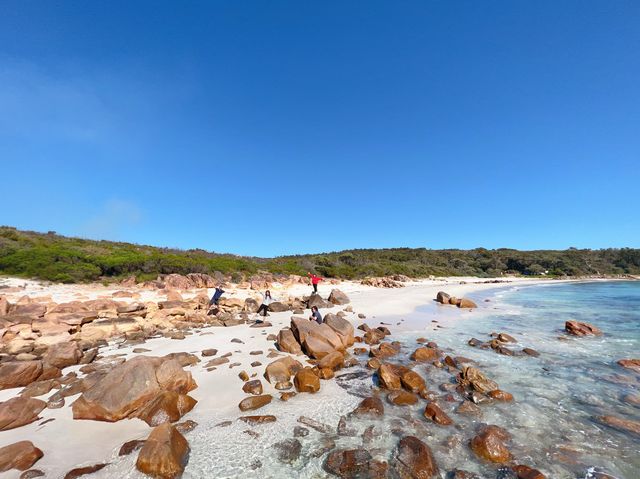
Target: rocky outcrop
(20, 455)
(338, 297)
(490, 444)
(19, 411)
(384, 282)
(164, 454)
(317, 340)
(445, 298)
(132, 386)
(413, 459)
(576, 328)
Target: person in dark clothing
(314, 281)
(315, 315)
(216, 296)
(264, 307)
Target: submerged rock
(625, 425)
(489, 444)
(633, 364)
(371, 406)
(414, 459)
(434, 413)
(354, 464)
(288, 451)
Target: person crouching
(315, 315)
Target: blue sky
(268, 128)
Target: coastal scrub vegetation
(52, 257)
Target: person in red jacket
(314, 281)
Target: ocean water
(551, 419)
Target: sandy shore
(69, 443)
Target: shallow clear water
(556, 394)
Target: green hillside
(53, 257)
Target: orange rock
(500, 395)
(402, 398)
(20, 455)
(434, 413)
(489, 444)
(166, 406)
(306, 381)
(19, 411)
(254, 402)
(164, 454)
(371, 406)
(413, 382)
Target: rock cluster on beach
(464, 303)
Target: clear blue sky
(271, 127)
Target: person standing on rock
(264, 307)
(314, 281)
(315, 315)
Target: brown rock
(14, 374)
(332, 361)
(474, 378)
(281, 370)
(338, 297)
(371, 406)
(287, 395)
(254, 402)
(353, 464)
(577, 328)
(412, 382)
(83, 471)
(633, 364)
(500, 395)
(384, 351)
(424, 354)
(466, 303)
(306, 381)
(166, 406)
(526, 472)
(253, 387)
(413, 459)
(130, 446)
(434, 413)
(374, 363)
(63, 354)
(19, 455)
(209, 352)
(288, 343)
(164, 454)
(402, 398)
(19, 411)
(531, 352)
(130, 386)
(388, 378)
(442, 297)
(326, 373)
(625, 425)
(257, 419)
(342, 327)
(489, 444)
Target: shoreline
(219, 391)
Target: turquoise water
(573, 380)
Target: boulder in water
(489, 444)
(576, 328)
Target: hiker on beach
(314, 281)
(315, 315)
(264, 307)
